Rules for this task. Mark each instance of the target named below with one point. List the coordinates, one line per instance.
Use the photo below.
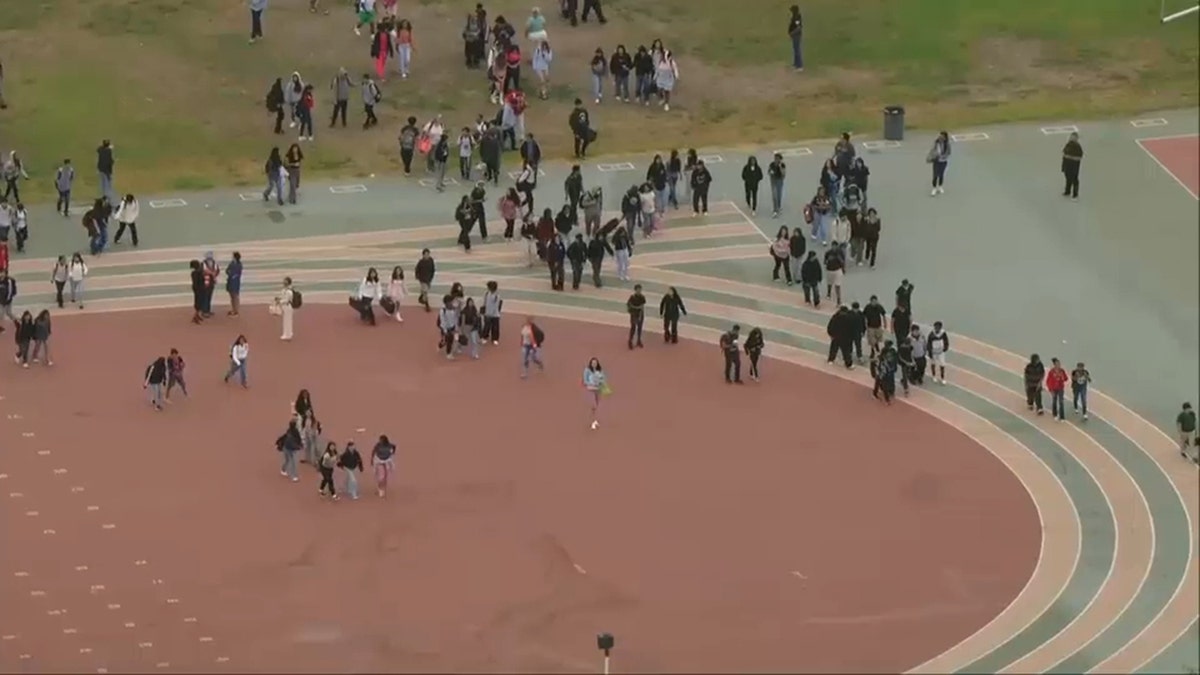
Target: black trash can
(893, 123)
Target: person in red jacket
(1056, 382)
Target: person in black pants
(733, 355)
(597, 248)
(577, 254)
(670, 309)
(1072, 157)
(424, 271)
(581, 128)
(701, 180)
(590, 6)
(870, 231)
(754, 348)
(328, 462)
(752, 175)
(556, 254)
(478, 196)
(1035, 374)
(636, 306)
(841, 331)
(859, 330)
(257, 7)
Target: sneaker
(1085, 418)
(595, 424)
(283, 473)
(295, 479)
(933, 192)
(941, 190)
(666, 107)
(291, 125)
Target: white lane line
(798, 575)
(580, 569)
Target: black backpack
(538, 336)
(297, 299)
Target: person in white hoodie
(292, 92)
(369, 291)
(127, 215)
(239, 353)
(396, 292)
(840, 236)
(77, 271)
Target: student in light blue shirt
(595, 382)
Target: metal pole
(606, 664)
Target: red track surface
(516, 533)
(1180, 156)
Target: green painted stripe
(1181, 658)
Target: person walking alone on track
(636, 306)
(383, 462)
(595, 383)
(670, 308)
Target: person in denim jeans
(531, 347)
(237, 360)
(1081, 379)
(796, 34)
(674, 173)
(620, 66)
(351, 462)
(289, 444)
(274, 170)
(599, 67)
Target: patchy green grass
(178, 89)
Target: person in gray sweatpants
(341, 86)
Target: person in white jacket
(285, 307)
(396, 292)
(840, 236)
(369, 291)
(77, 271)
(238, 354)
(127, 215)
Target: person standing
(1072, 158)
(939, 344)
(752, 175)
(776, 173)
(700, 183)
(581, 129)
(212, 272)
(383, 462)
(155, 378)
(105, 161)
(233, 283)
(532, 339)
(175, 368)
(670, 308)
(733, 355)
(493, 305)
(835, 271)
(424, 271)
(556, 256)
(293, 159)
(796, 34)
(840, 330)
(196, 277)
(290, 444)
(875, 317)
(810, 280)
(257, 7)
(1056, 383)
(351, 462)
(127, 215)
(64, 179)
(1185, 426)
(1081, 379)
(286, 303)
(754, 349)
(341, 87)
(939, 158)
(1035, 373)
(636, 306)
(238, 355)
(595, 383)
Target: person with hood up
(597, 248)
(293, 91)
(840, 330)
(810, 280)
(276, 103)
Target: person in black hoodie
(733, 355)
(643, 68)
(577, 254)
(1035, 375)
(597, 248)
(1072, 158)
(424, 271)
(350, 462)
(901, 322)
(884, 365)
(620, 65)
(199, 292)
(904, 294)
(670, 308)
(465, 215)
(797, 247)
(810, 280)
(478, 197)
(581, 128)
(563, 222)
(556, 255)
(905, 362)
(752, 175)
(754, 348)
(701, 180)
(573, 187)
(841, 335)
(871, 227)
(656, 176)
(636, 306)
(859, 326)
(155, 377)
(490, 150)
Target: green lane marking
(1181, 658)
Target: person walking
(77, 273)
(752, 175)
(1035, 374)
(835, 271)
(293, 159)
(211, 272)
(917, 338)
(1056, 383)
(275, 173)
(700, 182)
(405, 47)
(238, 354)
(8, 295)
(393, 296)
(304, 112)
(532, 339)
(840, 330)
(581, 129)
(127, 216)
(810, 280)
(472, 325)
(904, 293)
(493, 305)
(905, 363)
(64, 179)
(448, 323)
(369, 291)
(175, 368)
(289, 445)
(1185, 427)
(424, 271)
(818, 213)
(796, 35)
(870, 228)
(884, 367)
(1081, 380)
(13, 172)
(733, 355)
(257, 7)
(153, 380)
(636, 306)
(939, 344)
(58, 276)
(105, 161)
(875, 317)
(776, 173)
(351, 464)
(939, 158)
(24, 332)
(1072, 159)
(670, 308)
(383, 463)
(310, 433)
(902, 323)
(754, 350)
(781, 250)
(382, 48)
(577, 254)
(595, 383)
(859, 324)
(233, 283)
(341, 87)
(371, 96)
(41, 337)
(327, 464)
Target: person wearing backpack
(532, 339)
(370, 96)
(286, 304)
